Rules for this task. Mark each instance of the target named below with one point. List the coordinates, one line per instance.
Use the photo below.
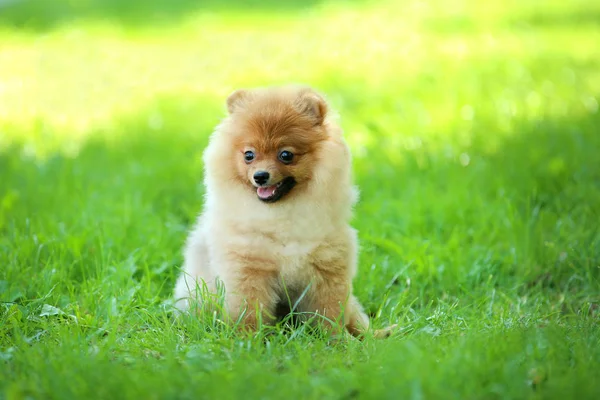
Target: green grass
(475, 128)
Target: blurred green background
(475, 131)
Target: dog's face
(275, 137)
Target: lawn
(475, 129)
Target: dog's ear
(312, 104)
(237, 99)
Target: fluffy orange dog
(275, 225)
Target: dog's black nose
(261, 177)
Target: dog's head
(274, 137)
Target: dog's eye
(249, 156)
(286, 157)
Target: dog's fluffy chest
(286, 235)
(288, 244)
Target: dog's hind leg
(196, 276)
(358, 322)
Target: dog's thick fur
(266, 253)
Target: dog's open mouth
(271, 194)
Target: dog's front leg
(334, 300)
(330, 294)
(250, 296)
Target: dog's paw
(385, 332)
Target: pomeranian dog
(275, 226)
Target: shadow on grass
(580, 15)
(527, 210)
(565, 19)
(41, 15)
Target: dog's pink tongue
(264, 192)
